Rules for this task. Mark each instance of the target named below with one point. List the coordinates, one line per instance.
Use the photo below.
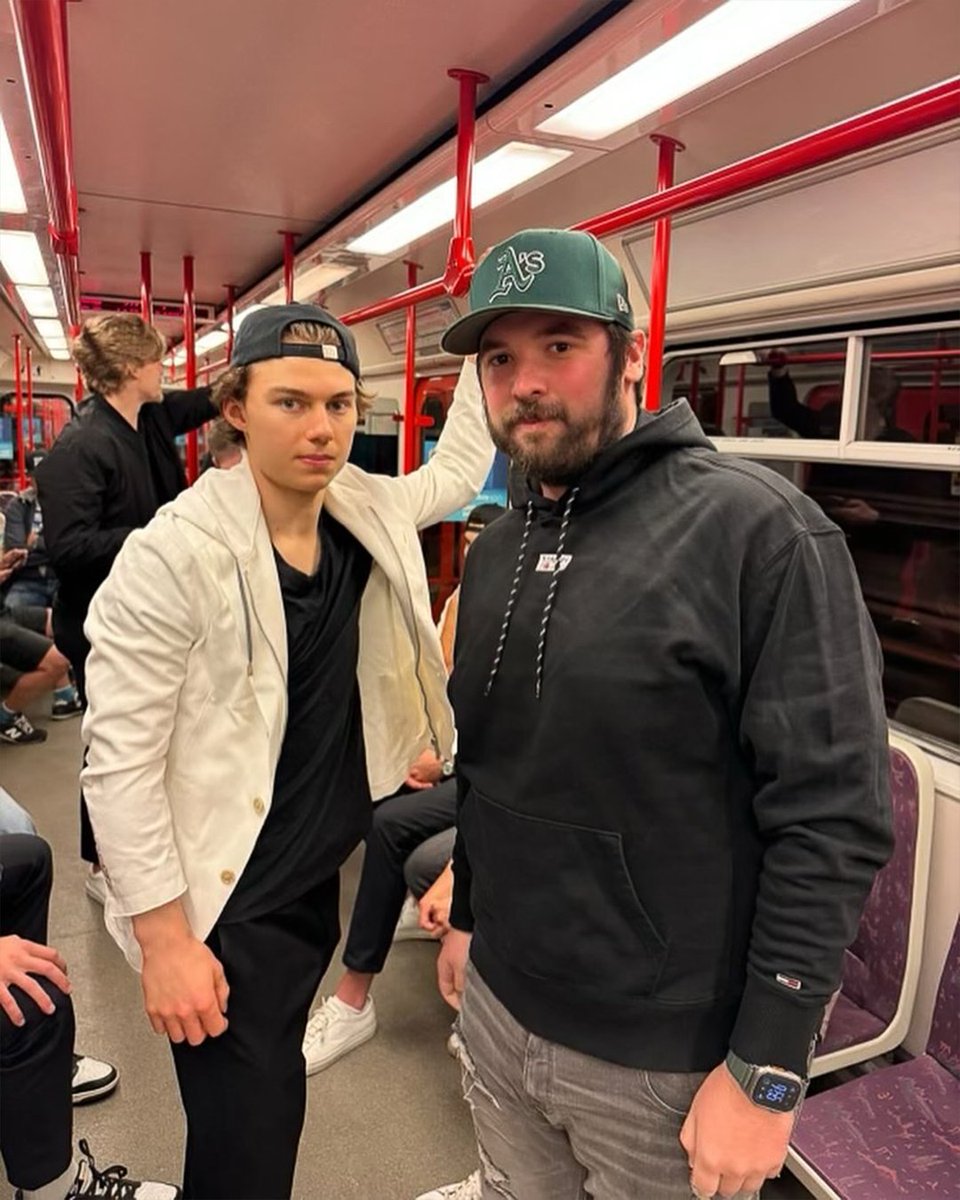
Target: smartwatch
(773, 1088)
(446, 768)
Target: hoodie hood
(673, 428)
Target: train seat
(894, 1133)
(882, 967)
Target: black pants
(401, 823)
(244, 1093)
(70, 640)
(36, 1059)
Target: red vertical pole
(190, 343)
(667, 152)
(146, 287)
(460, 257)
(410, 379)
(30, 442)
(231, 294)
(18, 383)
(289, 237)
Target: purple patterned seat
(893, 1134)
(875, 965)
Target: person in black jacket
(672, 767)
(107, 474)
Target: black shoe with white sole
(19, 731)
(92, 1079)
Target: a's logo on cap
(516, 272)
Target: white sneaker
(96, 886)
(408, 927)
(92, 1078)
(334, 1030)
(466, 1189)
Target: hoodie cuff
(460, 915)
(773, 1029)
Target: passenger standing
(672, 766)
(264, 662)
(107, 474)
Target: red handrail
(41, 32)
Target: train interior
(232, 154)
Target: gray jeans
(555, 1124)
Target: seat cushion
(849, 1025)
(892, 1135)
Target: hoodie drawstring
(515, 590)
(246, 618)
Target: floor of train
(385, 1123)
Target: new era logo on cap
(547, 270)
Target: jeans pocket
(673, 1091)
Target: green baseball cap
(545, 270)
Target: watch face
(776, 1092)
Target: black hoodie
(672, 757)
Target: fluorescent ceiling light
(38, 301)
(321, 276)
(211, 340)
(240, 317)
(721, 41)
(11, 193)
(56, 352)
(21, 258)
(506, 168)
(49, 329)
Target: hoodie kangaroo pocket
(556, 901)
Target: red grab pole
(190, 344)
(30, 442)
(460, 257)
(146, 287)
(231, 296)
(289, 237)
(18, 384)
(667, 148)
(410, 378)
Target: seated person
(410, 844)
(37, 1062)
(34, 583)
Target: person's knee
(54, 664)
(40, 1031)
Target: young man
(263, 663)
(107, 474)
(672, 767)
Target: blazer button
(258, 806)
(227, 877)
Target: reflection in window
(911, 387)
(770, 391)
(903, 531)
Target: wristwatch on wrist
(773, 1088)
(446, 768)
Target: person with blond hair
(264, 664)
(106, 475)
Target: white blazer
(187, 678)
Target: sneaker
(408, 927)
(63, 710)
(112, 1184)
(92, 1078)
(334, 1030)
(466, 1189)
(96, 886)
(19, 732)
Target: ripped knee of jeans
(492, 1175)
(472, 1083)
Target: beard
(561, 461)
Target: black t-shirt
(321, 797)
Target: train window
(903, 530)
(910, 388)
(771, 391)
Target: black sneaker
(19, 732)
(63, 710)
(114, 1183)
(92, 1079)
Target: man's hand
(185, 991)
(452, 966)
(425, 772)
(733, 1145)
(20, 960)
(10, 561)
(434, 904)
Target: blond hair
(109, 348)
(233, 383)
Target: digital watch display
(773, 1088)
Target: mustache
(533, 411)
